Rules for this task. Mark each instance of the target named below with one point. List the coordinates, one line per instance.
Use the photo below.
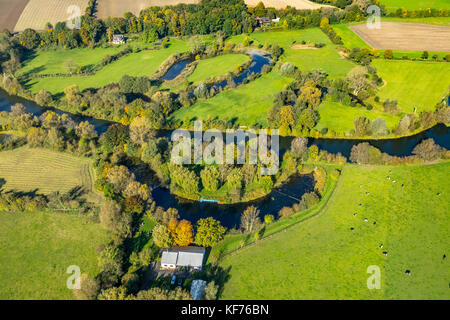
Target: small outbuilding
(118, 39)
(263, 21)
(198, 289)
(189, 257)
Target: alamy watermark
(374, 281)
(74, 21)
(73, 281)
(209, 147)
(374, 20)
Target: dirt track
(10, 11)
(406, 36)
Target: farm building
(190, 257)
(118, 39)
(263, 21)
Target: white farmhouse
(189, 257)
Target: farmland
(313, 258)
(38, 247)
(143, 63)
(402, 83)
(44, 171)
(392, 5)
(10, 12)
(281, 4)
(405, 36)
(245, 105)
(326, 58)
(38, 12)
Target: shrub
(388, 54)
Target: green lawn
(49, 62)
(339, 118)
(143, 63)
(38, 247)
(217, 66)
(247, 105)
(413, 83)
(321, 258)
(326, 58)
(392, 5)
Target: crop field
(217, 66)
(246, 105)
(392, 5)
(405, 36)
(281, 4)
(413, 83)
(116, 8)
(322, 258)
(38, 247)
(38, 12)
(45, 171)
(143, 63)
(339, 118)
(326, 58)
(10, 11)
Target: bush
(389, 54)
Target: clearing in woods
(28, 169)
(10, 11)
(405, 36)
(38, 12)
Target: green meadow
(322, 258)
(413, 83)
(339, 118)
(217, 66)
(392, 5)
(143, 63)
(38, 247)
(326, 58)
(246, 105)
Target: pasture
(246, 105)
(326, 58)
(10, 11)
(392, 5)
(44, 171)
(413, 83)
(38, 247)
(339, 118)
(143, 63)
(405, 36)
(217, 66)
(38, 12)
(322, 258)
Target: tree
(89, 288)
(184, 233)
(110, 261)
(29, 39)
(114, 293)
(140, 130)
(210, 178)
(234, 179)
(310, 94)
(388, 54)
(110, 213)
(427, 150)
(299, 147)
(364, 153)
(250, 221)
(320, 177)
(425, 55)
(211, 291)
(162, 237)
(43, 98)
(357, 80)
(379, 128)
(362, 125)
(209, 232)
(85, 130)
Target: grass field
(50, 62)
(217, 66)
(322, 258)
(392, 5)
(246, 105)
(143, 63)
(339, 118)
(45, 171)
(326, 58)
(413, 83)
(38, 12)
(38, 247)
